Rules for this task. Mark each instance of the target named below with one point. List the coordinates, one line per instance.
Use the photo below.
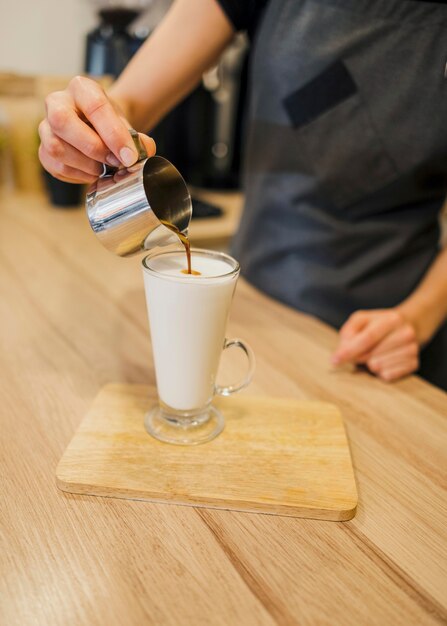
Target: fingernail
(128, 156)
(112, 160)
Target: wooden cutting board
(279, 456)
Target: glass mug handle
(238, 343)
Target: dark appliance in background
(203, 135)
(111, 45)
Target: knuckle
(410, 332)
(49, 101)
(55, 168)
(41, 155)
(94, 98)
(78, 82)
(54, 98)
(54, 147)
(93, 95)
(45, 158)
(41, 128)
(59, 168)
(394, 317)
(58, 117)
(370, 336)
(374, 367)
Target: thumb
(148, 143)
(354, 324)
(350, 329)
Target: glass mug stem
(230, 389)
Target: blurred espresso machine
(202, 135)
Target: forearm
(171, 62)
(426, 307)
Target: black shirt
(245, 14)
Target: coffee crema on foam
(172, 264)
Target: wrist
(122, 107)
(421, 316)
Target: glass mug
(188, 316)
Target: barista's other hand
(84, 128)
(383, 340)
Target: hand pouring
(138, 208)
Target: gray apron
(346, 159)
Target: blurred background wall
(48, 36)
(44, 36)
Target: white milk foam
(173, 263)
(187, 319)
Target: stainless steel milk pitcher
(129, 208)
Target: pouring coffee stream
(187, 245)
(140, 207)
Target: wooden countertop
(216, 232)
(72, 319)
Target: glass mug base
(184, 427)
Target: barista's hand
(84, 128)
(383, 340)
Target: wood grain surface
(72, 318)
(276, 455)
(216, 232)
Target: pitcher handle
(109, 170)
